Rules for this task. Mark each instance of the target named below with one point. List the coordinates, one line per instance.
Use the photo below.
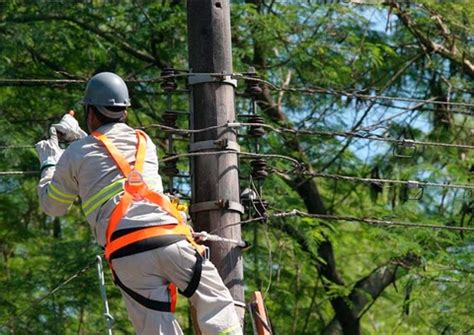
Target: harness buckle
(135, 185)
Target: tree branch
(369, 288)
(52, 65)
(452, 53)
(108, 36)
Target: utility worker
(149, 247)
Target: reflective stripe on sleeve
(58, 199)
(102, 196)
(61, 194)
(62, 197)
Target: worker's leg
(139, 273)
(214, 305)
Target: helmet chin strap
(86, 117)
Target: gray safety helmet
(106, 89)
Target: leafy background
(318, 276)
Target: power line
(340, 93)
(243, 76)
(378, 181)
(47, 295)
(369, 136)
(14, 147)
(191, 131)
(379, 97)
(370, 221)
(243, 154)
(422, 108)
(19, 173)
(40, 82)
(45, 81)
(300, 169)
(280, 130)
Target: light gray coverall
(86, 170)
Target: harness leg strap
(195, 279)
(161, 306)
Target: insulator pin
(170, 169)
(256, 131)
(259, 169)
(169, 118)
(253, 89)
(168, 84)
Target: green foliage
(334, 45)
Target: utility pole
(215, 178)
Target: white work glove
(48, 150)
(68, 128)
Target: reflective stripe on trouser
(149, 274)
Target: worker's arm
(57, 188)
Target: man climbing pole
(150, 249)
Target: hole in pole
(218, 5)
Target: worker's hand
(68, 128)
(48, 150)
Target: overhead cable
(243, 154)
(15, 147)
(421, 107)
(379, 181)
(280, 130)
(305, 90)
(378, 97)
(19, 173)
(370, 221)
(369, 136)
(37, 82)
(354, 94)
(300, 169)
(54, 82)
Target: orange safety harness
(135, 189)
